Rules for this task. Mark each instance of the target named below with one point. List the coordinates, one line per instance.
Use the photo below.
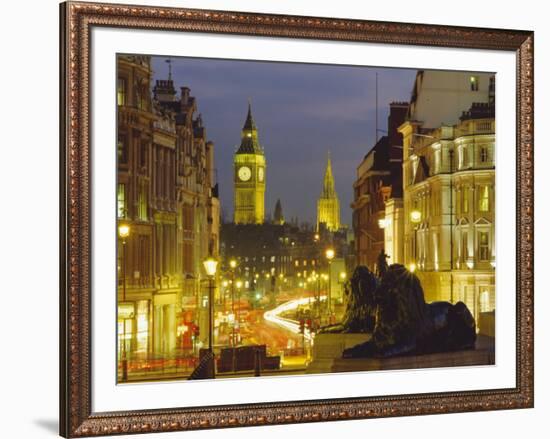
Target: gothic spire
(278, 217)
(328, 183)
(249, 123)
(169, 62)
(249, 136)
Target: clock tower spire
(249, 175)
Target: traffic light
(197, 331)
(302, 326)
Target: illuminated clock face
(261, 174)
(245, 173)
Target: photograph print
(279, 218)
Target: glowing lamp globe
(210, 266)
(124, 230)
(416, 216)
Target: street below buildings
(280, 335)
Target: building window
(121, 91)
(474, 83)
(143, 154)
(122, 151)
(140, 95)
(484, 301)
(464, 255)
(414, 163)
(142, 203)
(142, 325)
(483, 246)
(492, 89)
(463, 157)
(484, 198)
(484, 154)
(121, 200)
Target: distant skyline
(302, 111)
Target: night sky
(302, 111)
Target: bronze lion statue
(402, 323)
(360, 306)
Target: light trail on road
(293, 326)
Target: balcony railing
(465, 128)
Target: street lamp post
(239, 285)
(415, 217)
(232, 266)
(330, 256)
(124, 233)
(210, 266)
(343, 276)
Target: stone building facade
(449, 188)
(167, 198)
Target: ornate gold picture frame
(77, 418)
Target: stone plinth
(482, 355)
(328, 347)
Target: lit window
(484, 199)
(484, 301)
(464, 255)
(121, 200)
(142, 325)
(483, 246)
(484, 155)
(142, 203)
(121, 91)
(474, 83)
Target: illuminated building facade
(379, 188)
(166, 194)
(328, 205)
(449, 187)
(249, 176)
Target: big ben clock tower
(249, 176)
